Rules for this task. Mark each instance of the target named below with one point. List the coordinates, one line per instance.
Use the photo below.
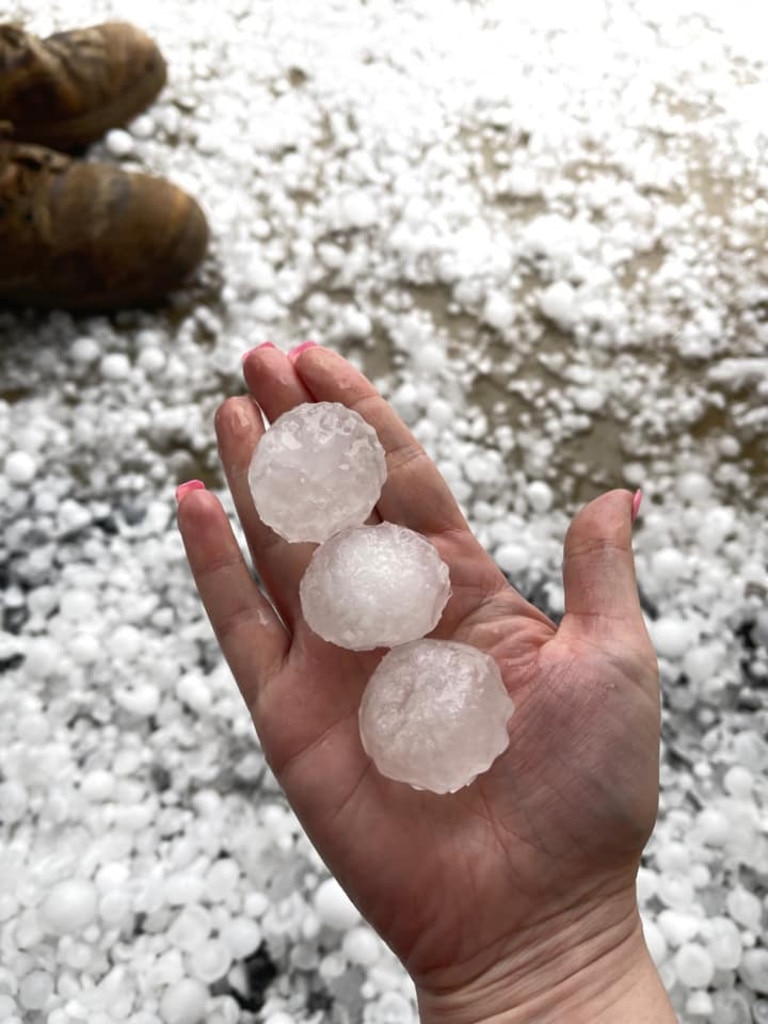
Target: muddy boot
(69, 89)
(90, 237)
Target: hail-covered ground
(541, 229)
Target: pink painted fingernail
(294, 354)
(636, 501)
(264, 344)
(190, 485)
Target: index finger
(414, 494)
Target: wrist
(593, 967)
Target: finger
(414, 494)
(272, 380)
(253, 639)
(280, 565)
(601, 595)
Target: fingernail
(264, 344)
(636, 501)
(190, 485)
(294, 354)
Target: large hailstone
(374, 586)
(318, 469)
(434, 714)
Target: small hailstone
(70, 906)
(361, 946)
(13, 802)
(558, 303)
(114, 908)
(374, 586)
(97, 785)
(191, 928)
(20, 468)
(211, 960)
(589, 399)
(724, 944)
(221, 879)
(184, 1002)
(242, 935)
(85, 350)
(539, 496)
(115, 366)
(673, 637)
(753, 970)
(699, 1004)
(434, 715)
(35, 990)
(693, 965)
(119, 143)
(668, 564)
(744, 908)
(677, 926)
(334, 908)
(713, 826)
(739, 782)
(512, 558)
(182, 889)
(8, 1007)
(730, 1007)
(676, 891)
(328, 456)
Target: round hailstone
(374, 586)
(334, 908)
(318, 470)
(184, 1002)
(693, 965)
(70, 906)
(434, 714)
(753, 970)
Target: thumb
(601, 597)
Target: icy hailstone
(434, 714)
(374, 586)
(317, 470)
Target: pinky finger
(252, 637)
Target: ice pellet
(35, 990)
(70, 906)
(374, 586)
(20, 467)
(361, 946)
(334, 908)
(699, 1004)
(730, 1007)
(184, 1002)
(724, 944)
(7, 1007)
(434, 715)
(693, 965)
(753, 970)
(328, 457)
(242, 935)
(211, 960)
(744, 908)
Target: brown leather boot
(67, 90)
(90, 237)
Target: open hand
(475, 890)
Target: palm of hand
(563, 813)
